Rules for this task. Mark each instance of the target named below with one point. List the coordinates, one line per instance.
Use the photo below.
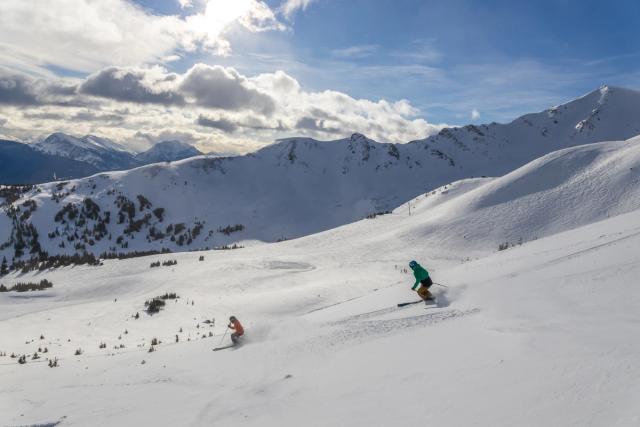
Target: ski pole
(223, 335)
(444, 286)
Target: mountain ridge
(23, 165)
(102, 153)
(83, 156)
(168, 151)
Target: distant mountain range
(21, 164)
(294, 187)
(62, 156)
(101, 153)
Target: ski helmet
(413, 264)
(232, 318)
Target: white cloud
(86, 35)
(208, 27)
(260, 17)
(185, 3)
(82, 34)
(475, 114)
(171, 58)
(290, 7)
(138, 85)
(223, 88)
(216, 107)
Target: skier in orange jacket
(235, 325)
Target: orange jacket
(236, 326)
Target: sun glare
(219, 14)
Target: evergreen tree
(4, 268)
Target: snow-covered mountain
(168, 151)
(107, 155)
(62, 156)
(21, 164)
(193, 205)
(297, 186)
(607, 114)
(101, 153)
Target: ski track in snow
(363, 327)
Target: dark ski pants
(235, 338)
(423, 291)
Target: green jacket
(420, 274)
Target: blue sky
(453, 62)
(447, 57)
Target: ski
(404, 304)
(223, 348)
(431, 302)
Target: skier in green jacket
(423, 281)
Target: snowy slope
(102, 153)
(541, 334)
(560, 191)
(168, 151)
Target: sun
(218, 14)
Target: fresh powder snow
(536, 321)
